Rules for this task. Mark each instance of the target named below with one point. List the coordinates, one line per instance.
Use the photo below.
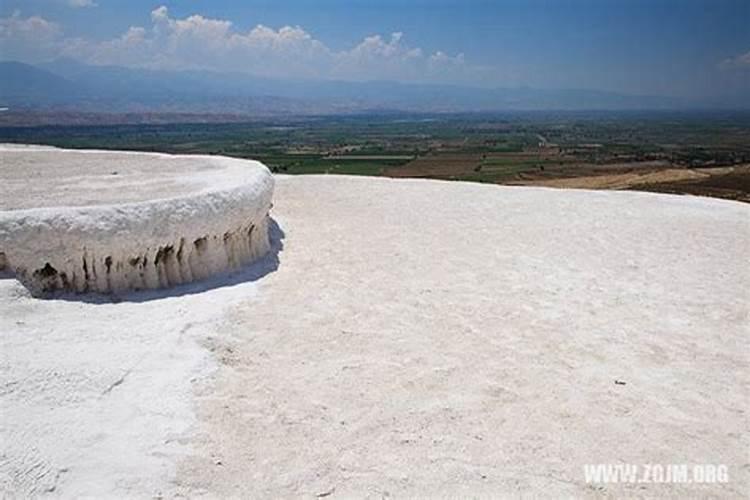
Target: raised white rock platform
(112, 221)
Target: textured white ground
(414, 338)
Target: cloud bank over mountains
(198, 42)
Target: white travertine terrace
(113, 221)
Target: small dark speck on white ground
(326, 493)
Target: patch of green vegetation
(511, 147)
(329, 167)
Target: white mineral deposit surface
(402, 337)
(39, 176)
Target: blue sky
(665, 47)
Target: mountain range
(68, 85)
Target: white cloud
(741, 61)
(78, 4)
(198, 42)
(27, 38)
(17, 27)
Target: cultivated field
(684, 153)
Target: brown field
(548, 167)
(731, 183)
(627, 179)
(437, 165)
